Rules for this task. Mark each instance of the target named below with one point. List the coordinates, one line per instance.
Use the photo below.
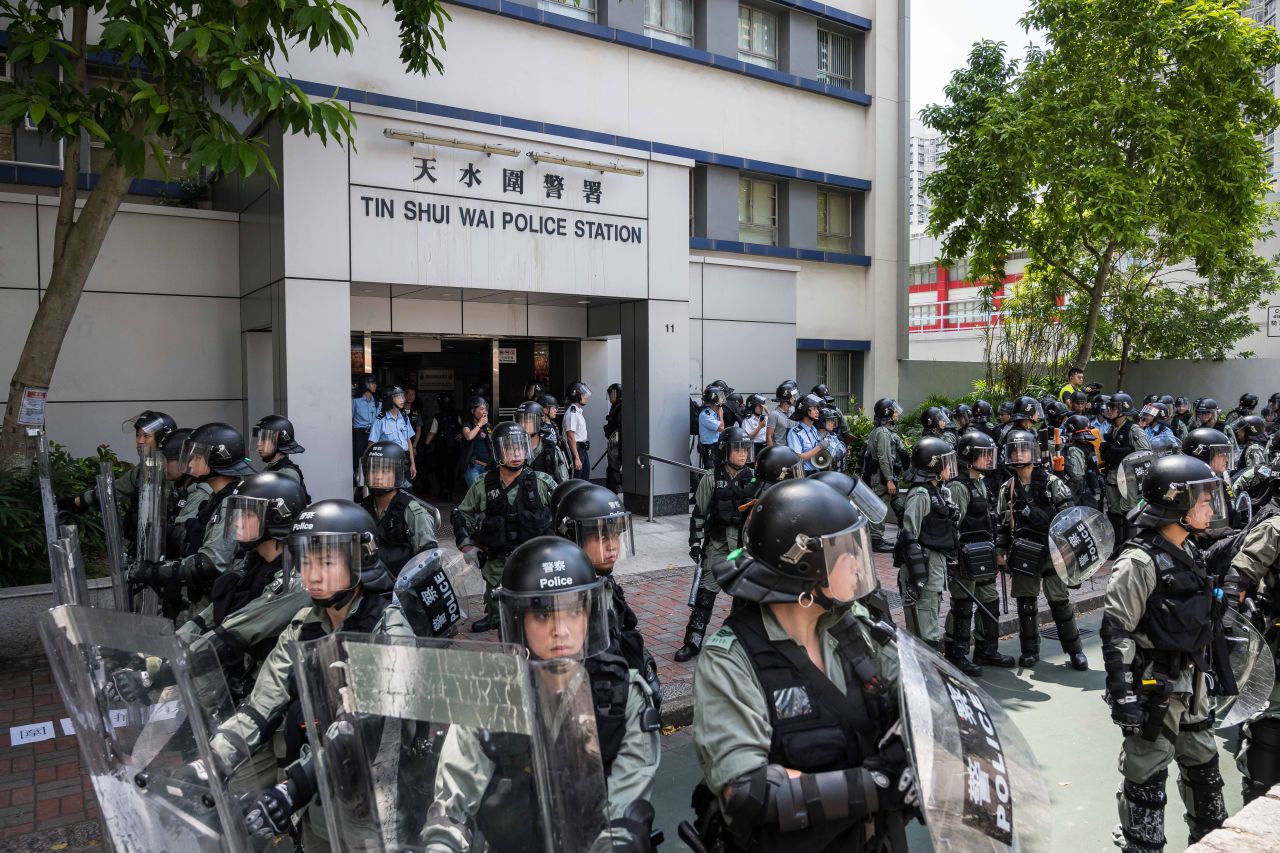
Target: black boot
(699, 616)
(957, 657)
(957, 645)
(1028, 631)
(1064, 616)
(987, 651)
(488, 623)
(881, 547)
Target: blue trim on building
(822, 10)
(833, 344)
(707, 244)
(51, 176)
(706, 157)
(529, 14)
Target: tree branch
(65, 222)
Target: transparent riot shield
(1254, 668)
(105, 485)
(432, 590)
(48, 507)
(1164, 444)
(69, 582)
(868, 501)
(1080, 541)
(1133, 469)
(152, 513)
(126, 683)
(980, 784)
(1243, 515)
(430, 743)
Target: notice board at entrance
(435, 379)
(506, 355)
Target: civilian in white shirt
(575, 431)
(755, 423)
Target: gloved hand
(69, 503)
(695, 554)
(1127, 713)
(163, 576)
(267, 812)
(630, 833)
(129, 685)
(895, 784)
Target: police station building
(657, 193)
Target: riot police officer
(1026, 507)
(276, 441)
(983, 419)
(720, 507)
(576, 435)
(775, 465)
(553, 604)
(711, 422)
(1027, 412)
(613, 434)
(1251, 437)
(1123, 438)
(1210, 415)
(963, 419)
(544, 455)
(928, 539)
(1183, 419)
(819, 768)
(1004, 414)
(1080, 462)
(829, 428)
(972, 580)
(150, 429)
(334, 549)
(883, 462)
(214, 453)
(406, 524)
(1248, 402)
(186, 494)
(1157, 626)
(935, 423)
(503, 509)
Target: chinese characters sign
(988, 801)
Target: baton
(697, 582)
(601, 459)
(973, 596)
(1004, 592)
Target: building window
(834, 230)
(583, 10)
(669, 20)
(923, 274)
(835, 59)
(835, 370)
(757, 36)
(967, 311)
(757, 211)
(959, 271)
(923, 315)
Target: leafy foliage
(1134, 137)
(23, 552)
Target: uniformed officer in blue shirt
(364, 409)
(710, 424)
(392, 424)
(804, 438)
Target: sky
(943, 31)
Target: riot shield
(121, 597)
(1243, 515)
(1080, 541)
(126, 682)
(152, 516)
(47, 504)
(432, 589)
(1254, 668)
(1133, 468)
(980, 784)
(426, 742)
(1164, 444)
(868, 501)
(69, 582)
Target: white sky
(942, 33)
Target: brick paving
(46, 798)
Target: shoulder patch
(722, 639)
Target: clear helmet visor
(1165, 444)
(1021, 451)
(1036, 413)
(984, 458)
(1218, 457)
(326, 564)
(382, 473)
(1207, 502)
(146, 422)
(194, 459)
(948, 466)
(1148, 414)
(246, 519)
(738, 453)
(267, 441)
(512, 449)
(897, 408)
(851, 572)
(572, 624)
(868, 502)
(530, 422)
(606, 541)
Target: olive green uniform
(885, 449)
(472, 510)
(1132, 582)
(562, 464)
(1025, 585)
(464, 772)
(1138, 440)
(1253, 456)
(985, 592)
(1075, 467)
(714, 551)
(1257, 564)
(922, 608)
(732, 732)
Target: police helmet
(530, 416)
(1252, 426)
(510, 445)
(723, 386)
(615, 389)
(476, 402)
(1167, 399)
(215, 448)
(755, 400)
(964, 410)
(385, 466)
(392, 391)
(713, 395)
(157, 424)
(561, 492)
(1055, 411)
(807, 402)
(801, 537)
(982, 411)
(885, 409)
(1078, 426)
(552, 602)
(821, 390)
(263, 506)
(171, 447)
(1006, 408)
(595, 519)
(934, 417)
(1020, 448)
(734, 400)
(976, 450)
(548, 401)
(578, 393)
(1205, 405)
(444, 400)
(1210, 446)
(933, 459)
(334, 549)
(731, 439)
(1173, 487)
(1027, 409)
(1150, 398)
(1119, 404)
(787, 393)
(777, 463)
(1248, 402)
(1100, 402)
(276, 432)
(1078, 397)
(1182, 401)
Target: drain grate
(1052, 633)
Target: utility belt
(1027, 556)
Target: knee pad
(1027, 607)
(962, 608)
(1062, 610)
(1144, 804)
(1205, 784)
(1263, 758)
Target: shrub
(23, 551)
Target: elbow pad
(769, 797)
(1119, 671)
(917, 563)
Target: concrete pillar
(257, 370)
(798, 38)
(655, 415)
(715, 26)
(715, 210)
(798, 214)
(599, 372)
(311, 330)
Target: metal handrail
(649, 457)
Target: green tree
(1134, 134)
(174, 82)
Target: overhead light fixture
(416, 136)
(584, 164)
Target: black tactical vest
(506, 524)
(197, 524)
(977, 521)
(731, 492)
(545, 459)
(285, 462)
(395, 543)
(1116, 445)
(938, 530)
(1178, 615)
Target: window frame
(846, 238)
(752, 54)
(750, 224)
(828, 77)
(585, 10)
(839, 387)
(665, 33)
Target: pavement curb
(677, 710)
